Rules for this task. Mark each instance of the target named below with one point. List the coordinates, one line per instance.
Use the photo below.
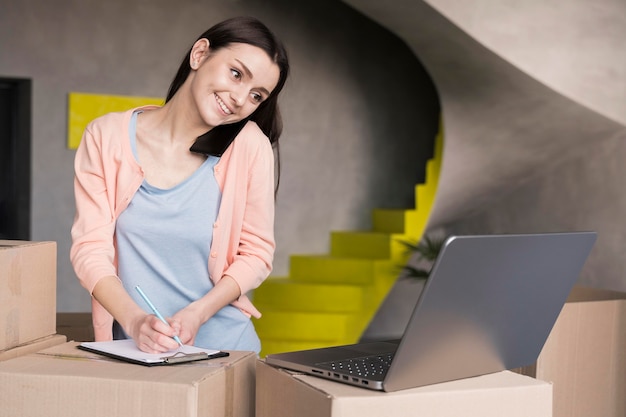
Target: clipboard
(126, 350)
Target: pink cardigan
(107, 176)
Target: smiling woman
(227, 85)
(191, 226)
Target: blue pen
(155, 311)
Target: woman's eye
(235, 73)
(257, 97)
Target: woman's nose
(238, 95)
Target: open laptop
(489, 305)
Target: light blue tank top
(163, 242)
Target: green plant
(422, 256)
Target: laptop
(489, 305)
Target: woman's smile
(227, 111)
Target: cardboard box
(585, 355)
(282, 393)
(76, 326)
(27, 291)
(32, 347)
(64, 381)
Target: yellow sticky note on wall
(83, 108)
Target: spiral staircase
(330, 299)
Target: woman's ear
(199, 52)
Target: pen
(155, 311)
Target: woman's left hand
(190, 320)
(197, 313)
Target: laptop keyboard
(367, 366)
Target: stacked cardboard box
(42, 375)
(585, 355)
(34, 346)
(282, 393)
(66, 381)
(27, 297)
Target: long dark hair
(248, 30)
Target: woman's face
(229, 84)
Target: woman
(166, 202)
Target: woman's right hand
(151, 335)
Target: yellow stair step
(285, 294)
(416, 221)
(388, 220)
(400, 223)
(424, 197)
(337, 270)
(370, 245)
(303, 326)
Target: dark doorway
(15, 107)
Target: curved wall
(523, 152)
(575, 47)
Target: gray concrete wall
(534, 108)
(576, 49)
(360, 112)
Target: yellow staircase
(330, 299)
